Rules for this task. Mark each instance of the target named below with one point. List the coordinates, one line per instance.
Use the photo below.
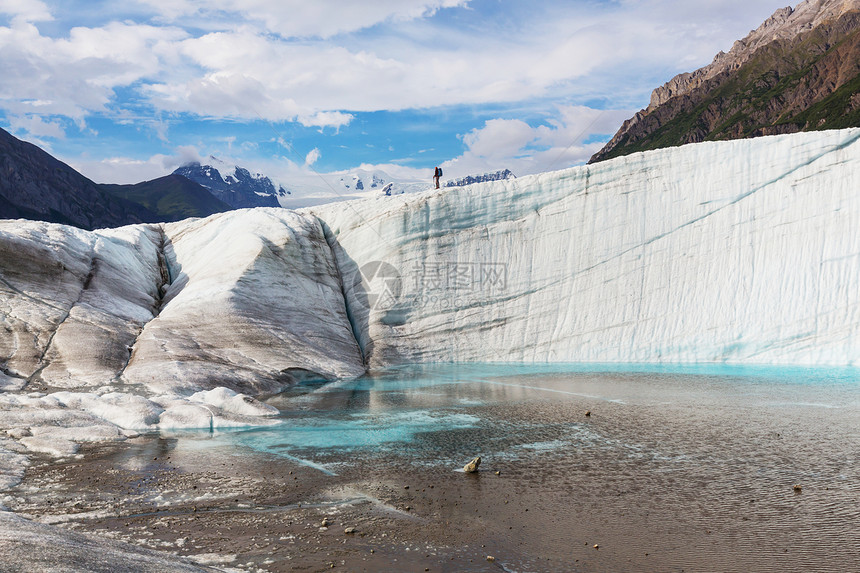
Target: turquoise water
(445, 414)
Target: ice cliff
(250, 300)
(741, 251)
(745, 251)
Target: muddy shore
(639, 485)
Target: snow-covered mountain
(234, 185)
(501, 175)
(319, 188)
(240, 188)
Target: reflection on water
(442, 413)
(675, 469)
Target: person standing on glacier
(436, 175)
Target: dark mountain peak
(242, 174)
(205, 175)
(237, 186)
(35, 185)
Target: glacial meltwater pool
(675, 468)
(441, 415)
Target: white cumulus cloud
(26, 10)
(513, 144)
(312, 156)
(77, 75)
(34, 125)
(300, 18)
(127, 170)
(320, 62)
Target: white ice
(254, 303)
(745, 251)
(250, 300)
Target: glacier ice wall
(745, 251)
(72, 301)
(254, 302)
(251, 300)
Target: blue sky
(127, 91)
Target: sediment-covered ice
(40, 547)
(13, 464)
(57, 424)
(251, 301)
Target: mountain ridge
(799, 71)
(500, 175)
(35, 185)
(239, 188)
(171, 197)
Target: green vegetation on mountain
(811, 82)
(172, 197)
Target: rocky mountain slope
(236, 186)
(799, 71)
(35, 185)
(172, 198)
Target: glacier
(252, 300)
(744, 252)
(739, 252)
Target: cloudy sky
(127, 91)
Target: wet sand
(668, 473)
